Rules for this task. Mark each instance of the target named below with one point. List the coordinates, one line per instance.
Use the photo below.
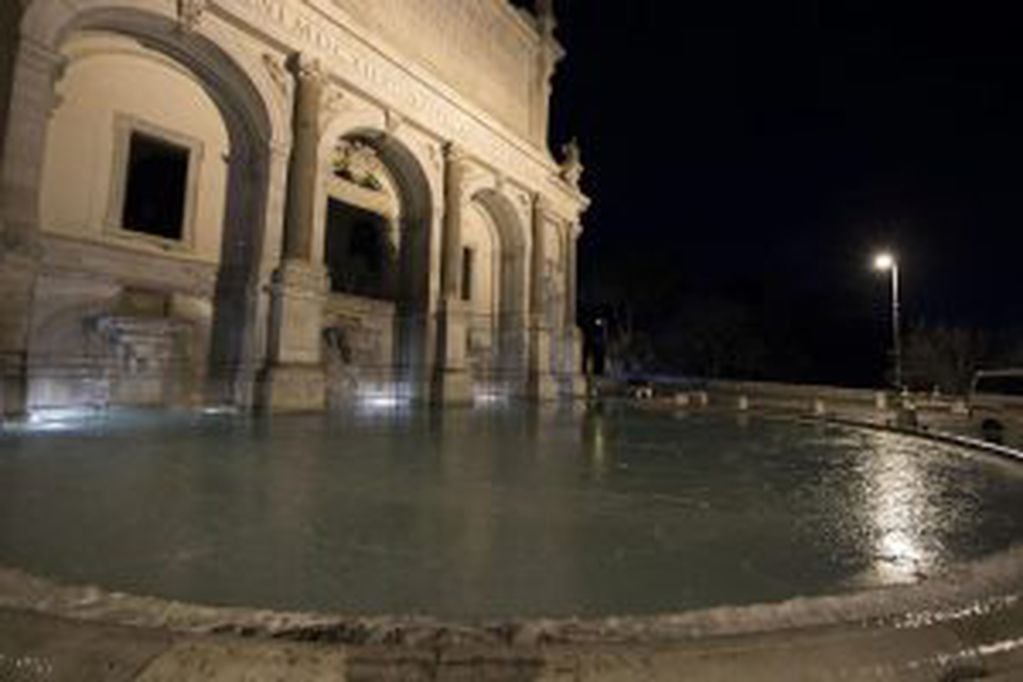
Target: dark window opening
(154, 195)
(358, 253)
(467, 272)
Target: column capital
(307, 69)
(544, 207)
(455, 154)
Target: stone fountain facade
(364, 204)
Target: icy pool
(492, 514)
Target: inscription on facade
(312, 31)
(472, 44)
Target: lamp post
(886, 262)
(606, 353)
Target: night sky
(757, 153)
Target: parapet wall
(804, 394)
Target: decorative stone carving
(454, 153)
(475, 46)
(307, 68)
(572, 166)
(358, 163)
(394, 121)
(190, 14)
(436, 156)
(335, 102)
(278, 74)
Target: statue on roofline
(572, 164)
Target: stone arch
(258, 129)
(415, 217)
(513, 293)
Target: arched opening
(502, 307)
(361, 232)
(180, 109)
(376, 250)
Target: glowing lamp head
(884, 261)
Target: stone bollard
(743, 403)
(881, 400)
(906, 417)
(819, 408)
(681, 400)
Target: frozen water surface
(489, 514)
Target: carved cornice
(384, 78)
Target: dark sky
(760, 151)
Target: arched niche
(362, 224)
(379, 182)
(251, 108)
(509, 272)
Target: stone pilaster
(294, 378)
(33, 98)
(574, 381)
(452, 383)
(18, 274)
(540, 385)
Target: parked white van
(996, 404)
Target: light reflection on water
(896, 499)
(475, 514)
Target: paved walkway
(987, 646)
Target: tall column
(452, 383)
(294, 378)
(541, 385)
(575, 381)
(32, 98)
(571, 282)
(454, 178)
(303, 168)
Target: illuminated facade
(283, 203)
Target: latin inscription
(472, 44)
(311, 30)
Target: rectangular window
(155, 187)
(467, 272)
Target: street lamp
(605, 352)
(885, 261)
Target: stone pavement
(986, 645)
